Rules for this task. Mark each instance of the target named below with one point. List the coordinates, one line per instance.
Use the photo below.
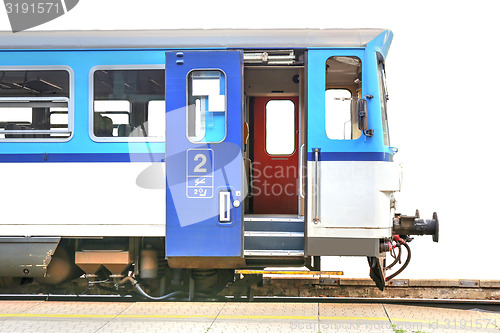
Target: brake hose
(397, 258)
(408, 258)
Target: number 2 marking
(199, 168)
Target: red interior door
(275, 155)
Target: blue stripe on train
(81, 157)
(351, 156)
(160, 157)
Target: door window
(280, 127)
(338, 114)
(206, 102)
(343, 88)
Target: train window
(206, 116)
(125, 104)
(280, 127)
(343, 87)
(35, 104)
(338, 109)
(384, 96)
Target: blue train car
(173, 158)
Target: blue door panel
(203, 161)
(362, 148)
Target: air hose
(396, 258)
(408, 258)
(136, 285)
(174, 294)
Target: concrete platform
(58, 316)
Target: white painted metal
(354, 199)
(79, 199)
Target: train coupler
(414, 225)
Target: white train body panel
(86, 200)
(354, 198)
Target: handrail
(301, 173)
(34, 131)
(34, 102)
(33, 98)
(316, 187)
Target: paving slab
(229, 317)
(17, 306)
(161, 326)
(93, 309)
(267, 317)
(343, 317)
(441, 320)
(21, 325)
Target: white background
(443, 80)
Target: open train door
(203, 159)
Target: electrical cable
(174, 294)
(408, 258)
(396, 258)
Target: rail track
(463, 304)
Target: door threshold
(274, 253)
(273, 217)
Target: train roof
(189, 38)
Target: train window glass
(156, 118)
(384, 96)
(34, 104)
(280, 127)
(206, 100)
(343, 77)
(124, 104)
(117, 111)
(338, 106)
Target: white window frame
(91, 104)
(70, 102)
(187, 104)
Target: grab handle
(316, 187)
(301, 171)
(225, 206)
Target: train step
(286, 223)
(274, 235)
(275, 253)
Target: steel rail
(354, 300)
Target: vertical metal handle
(250, 174)
(301, 171)
(316, 187)
(225, 206)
